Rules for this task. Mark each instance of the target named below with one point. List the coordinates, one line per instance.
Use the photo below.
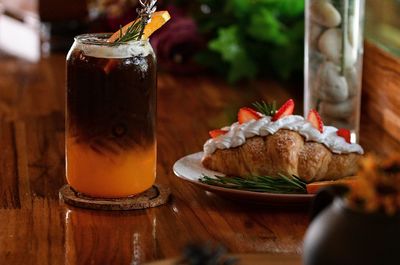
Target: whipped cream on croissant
(238, 133)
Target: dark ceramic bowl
(340, 235)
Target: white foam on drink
(135, 48)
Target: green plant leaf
(229, 45)
(240, 8)
(265, 26)
(290, 8)
(247, 38)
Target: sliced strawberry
(286, 109)
(342, 132)
(247, 114)
(217, 132)
(315, 120)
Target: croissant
(285, 152)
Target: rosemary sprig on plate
(280, 184)
(268, 109)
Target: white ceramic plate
(189, 168)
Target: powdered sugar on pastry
(238, 133)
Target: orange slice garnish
(158, 19)
(351, 182)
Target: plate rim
(235, 191)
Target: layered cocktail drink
(111, 117)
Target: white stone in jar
(331, 86)
(330, 44)
(315, 60)
(314, 34)
(324, 13)
(353, 80)
(341, 110)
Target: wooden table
(36, 228)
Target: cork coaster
(155, 196)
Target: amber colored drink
(111, 117)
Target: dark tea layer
(111, 102)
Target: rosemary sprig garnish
(268, 109)
(148, 8)
(135, 31)
(280, 184)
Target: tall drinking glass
(333, 61)
(111, 117)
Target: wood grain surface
(381, 88)
(35, 228)
(249, 259)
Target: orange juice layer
(110, 175)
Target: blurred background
(239, 40)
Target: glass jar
(111, 117)
(333, 61)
